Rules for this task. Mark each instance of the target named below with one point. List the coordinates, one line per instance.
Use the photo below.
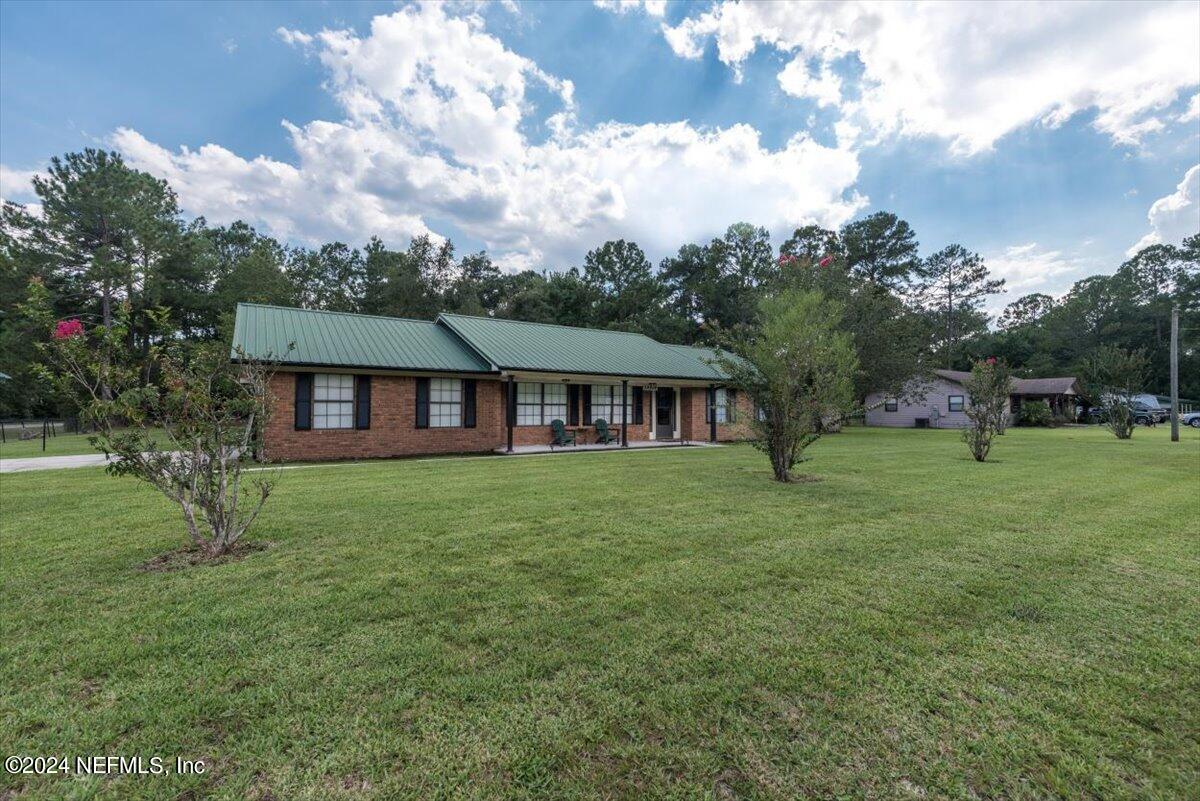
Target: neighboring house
(946, 401)
(358, 386)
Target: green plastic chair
(561, 435)
(603, 435)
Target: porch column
(510, 410)
(712, 413)
(624, 412)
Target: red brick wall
(394, 426)
(693, 425)
(393, 430)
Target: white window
(529, 404)
(445, 402)
(538, 404)
(555, 403)
(333, 401)
(606, 403)
(602, 402)
(722, 406)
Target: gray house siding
(937, 396)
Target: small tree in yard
(797, 368)
(988, 388)
(183, 422)
(1111, 378)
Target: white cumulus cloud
(441, 125)
(970, 72)
(655, 8)
(1175, 216)
(1030, 267)
(16, 185)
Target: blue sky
(539, 130)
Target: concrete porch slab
(519, 450)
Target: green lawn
(658, 624)
(62, 445)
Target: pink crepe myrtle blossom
(785, 259)
(991, 359)
(66, 329)
(825, 262)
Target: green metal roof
(517, 345)
(457, 343)
(336, 339)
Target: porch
(637, 412)
(525, 450)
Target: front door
(664, 413)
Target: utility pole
(1175, 373)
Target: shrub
(1036, 413)
(798, 368)
(208, 409)
(988, 387)
(1112, 378)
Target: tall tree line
(106, 234)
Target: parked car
(1143, 414)
(1190, 419)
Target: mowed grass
(657, 624)
(61, 445)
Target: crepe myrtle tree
(183, 420)
(1111, 378)
(988, 387)
(798, 368)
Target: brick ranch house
(946, 401)
(352, 386)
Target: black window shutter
(468, 409)
(422, 403)
(304, 393)
(572, 404)
(731, 405)
(362, 403)
(638, 418)
(587, 404)
(710, 403)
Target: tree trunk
(106, 314)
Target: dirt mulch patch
(191, 556)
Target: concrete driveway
(52, 462)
